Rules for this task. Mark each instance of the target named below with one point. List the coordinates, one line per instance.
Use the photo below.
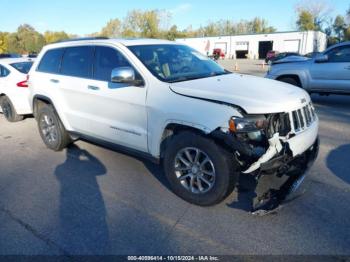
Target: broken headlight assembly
(252, 127)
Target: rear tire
(192, 181)
(51, 129)
(9, 111)
(290, 80)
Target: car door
(71, 85)
(334, 74)
(99, 108)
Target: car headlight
(244, 125)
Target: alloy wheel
(195, 170)
(48, 129)
(6, 109)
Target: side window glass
(50, 63)
(339, 55)
(106, 59)
(77, 61)
(4, 71)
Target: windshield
(23, 67)
(175, 63)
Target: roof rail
(81, 38)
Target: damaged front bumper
(286, 157)
(293, 169)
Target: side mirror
(321, 58)
(123, 75)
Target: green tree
(51, 37)
(25, 40)
(112, 29)
(173, 33)
(347, 34)
(3, 42)
(211, 29)
(260, 25)
(312, 14)
(142, 24)
(339, 27)
(305, 21)
(13, 43)
(30, 40)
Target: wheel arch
(2, 95)
(296, 77)
(173, 128)
(40, 100)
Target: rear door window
(77, 61)
(50, 63)
(106, 59)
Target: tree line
(311, 15)
(137, 23)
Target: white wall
(309, 41)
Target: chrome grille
(303, 117)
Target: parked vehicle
(270, 56)
(32, 55)
(327, 73)
(284, 55)
(218, 53)
(312, 54)
(10, 56)
(14, 92)
(170, 103)
(280, 56)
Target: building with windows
(255, 46)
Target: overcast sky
(85, 16)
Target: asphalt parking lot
(245, 66)
(92, 200)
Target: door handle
(347, 67)
(95, 88)
(54, 81)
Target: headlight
(243, 125)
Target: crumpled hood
(255, 95)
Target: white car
(14, 92)
(170, 103)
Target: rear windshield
(22, 67)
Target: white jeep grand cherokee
(166, 101)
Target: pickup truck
(326, 73)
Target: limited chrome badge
(303, 100)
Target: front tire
(198, 170)
(9, 111)
(51, 129)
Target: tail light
(23, 83)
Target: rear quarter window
(50, 63)
(4, 71)
(22, 67)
